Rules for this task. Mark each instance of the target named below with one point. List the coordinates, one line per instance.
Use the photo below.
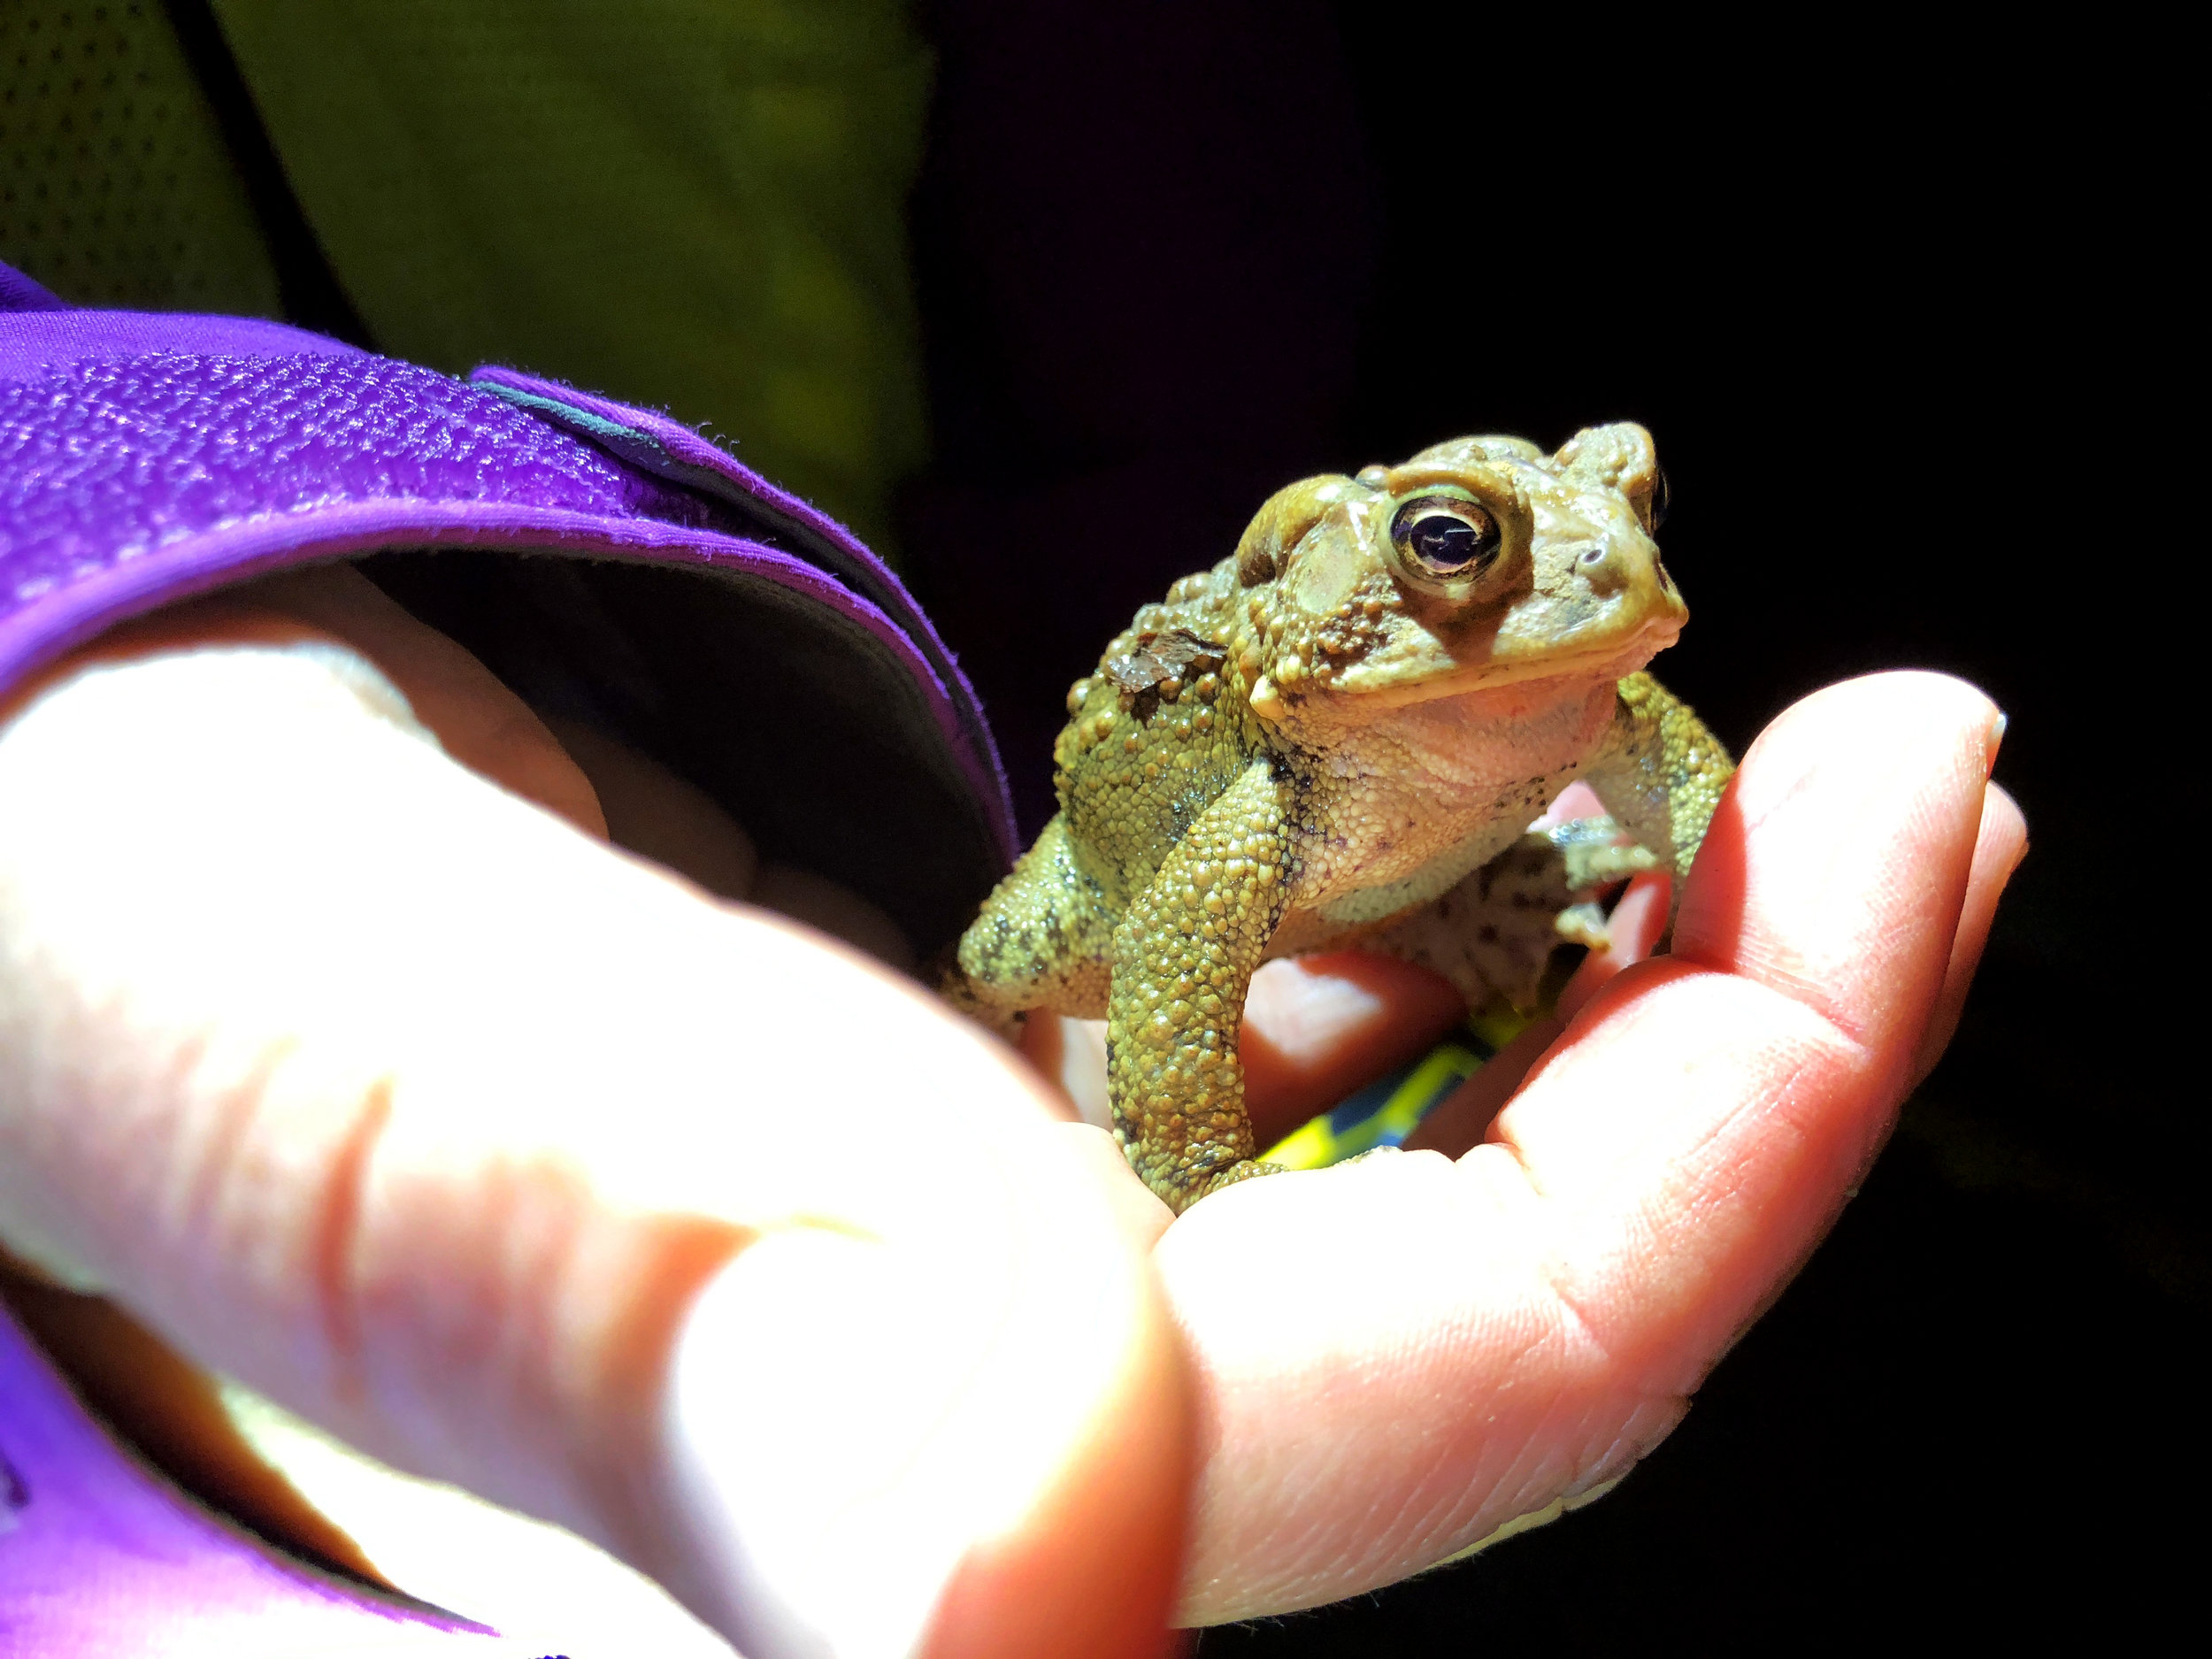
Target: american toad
(1327, 738)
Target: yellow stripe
(1310, 1146)
(1498, 1027)
(1313, 1145)
(1447, 1066)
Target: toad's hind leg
(1042, 941)
(1184, 955)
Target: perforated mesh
(116, 187)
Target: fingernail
(807, 1377)
(1994, 741)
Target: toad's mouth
(1401, 683)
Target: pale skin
(381, 1081)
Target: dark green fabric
(696, 206)
(116, 187)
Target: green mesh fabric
(116, 187)
(698, 204)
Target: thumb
(523, 1166)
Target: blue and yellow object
(1387, 1111)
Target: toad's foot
(1244, 1170)
(960, 992)
(1594, 852)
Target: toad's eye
(1446, 538)
(1661, 497)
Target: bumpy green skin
(1309, 745)
(1661, 772)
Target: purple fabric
(35, 343)
(18, 293)
(689, 449)
(97, 1556)
(105, 465)
(691, 459)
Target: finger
(521, 1167)
(1465, 1117)
(480, 723)
(1798, 905)
(1070, 1055)
(1633, 933)
(1999, 846)
(1320, 1027)
(1576, 799)
(834, 908)
(1434, 1349)
(657, 815)
(1809, 954)
(569, 768)
(565, 767)
(1634, 929)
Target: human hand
(1398, 1358)
(1307, 1441)
(521, 1164)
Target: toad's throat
(1389, 686)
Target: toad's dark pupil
(1446, 544)
(1443, 543)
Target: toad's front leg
(1184, 955)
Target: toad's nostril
(1603, 566)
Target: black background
(1878, 294)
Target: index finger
(1435, 1349)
